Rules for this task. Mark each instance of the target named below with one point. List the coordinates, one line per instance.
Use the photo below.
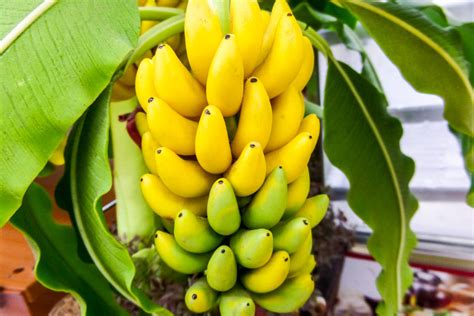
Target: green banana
(243, 201)
(252, 248)
(236, 302)
(298, 191)
(314, 209)
(222, 208)
(221, 270)
(268, 204)
(299, 258)
(290, 236)
(200, 297)
(269, 277)
(290, 296)
(194, 234)
(176, 257)
(307, 268)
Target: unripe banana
(252, 248)
(293, 157)
(194, 234)
(236, 302)
(255, 122)
(170, 129)
(175, 85)
(246, 24)
(221, 270)
(225, 81)
(141, 123)
(243, 201)
(149, 147)
(300, 257)
(284, 60)
(298, 191)
(167, 204)
(289, 297)
(288, 111)
(248, 172)
(290, 236)
(269, 277)
(307, 268)
(200, 297)
(185, 178)
(222, 209)
(268, 204)
(203, 35)
(314, 209)
(176, 257)
(307, 66)
(144, 86)
(212, 142)
(311, 125)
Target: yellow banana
(290, 236)
(221, 270)
(293, 157)
(194, 234)
(265, 16)
(300, 257)
(248, 172)
(57, 157)
(171, 129)
(284, 60)
(255, 122)
(236, 302)
(289, 297)
(121, 91)
(311, 125)
(144, 86)
(200, 297)
(314, 209)
(288, 111)
(185, 178)
(167, 204)
(307, 268)
(269, 277)
(145, 24)
(222, 209)
(176, 257)
(149, 147)
(203, 35)
(175, 85)
(212, 142)
(307, 66)
(298, 191)
(225, 81)
(246, 24)
(141, 123)
(167, 3)
(183, 4)
(252, 248)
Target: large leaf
(57, 265)
(50, 74)
(428, 56)
(89, 177)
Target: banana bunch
(227, 146)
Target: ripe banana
(290, 236)
(265, 16)
(284, 60)
(121, 91)
(307, 66)
(167, 3)
(314, 209)
(300, 257)
(248, 172)
(149, 147)
(221, 270)
(298, 191)
(185, 178)
(255, 122)
(269, 277)
(141, 123)
(288, 111)
(175, 85)
(252, 248)
(212, 142)
(194, 234)
(176, 257)
(236, 302)
(246, 24)
(290, 296)
(293, 157)
(144, 86)
(200, 297)
(167, 204)
(225, 81)
(222, 208)
(268, 204)
(170, 129)
(311, 125)
(146, 24)
(203, 35)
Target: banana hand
(149, 147)
(222, 209)
(252, 248)
(144, 86)
(307, 66)
(221, 270)
(314, 209)
(200, 297)
(236, 302)
(311, 125)
(290, 236)
(141, 123)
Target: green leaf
(306, 13)
(428, 56)
(89, 177)
(50, 74)
(58, 266)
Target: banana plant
(63, 63)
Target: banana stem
(313, 108)
(158, 13)
(222, 7)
